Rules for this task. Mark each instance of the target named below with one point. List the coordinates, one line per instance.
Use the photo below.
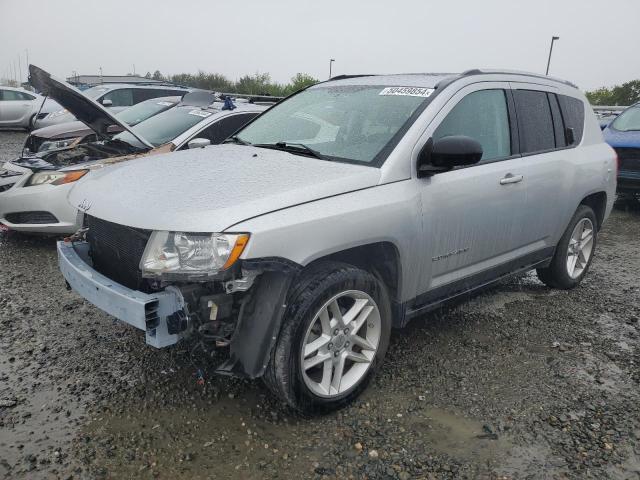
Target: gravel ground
(519, 382)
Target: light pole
(553, 39)
(330, 65)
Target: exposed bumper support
(148, 312)
(258, 326)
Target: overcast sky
(599, 40)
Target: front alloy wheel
(334, 336)
(341, 343)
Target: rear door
(545, 164)
(471, 215)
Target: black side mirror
(570, 135)
(447, 153)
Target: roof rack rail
(477, 71)
(262, 98)
(344, 77)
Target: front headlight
(192, 254)
(55, 178)
(55, 144)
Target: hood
(83, 108)
(62, 130)
(211, 189)
(33, 163)
(619, 139)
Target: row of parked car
(316, 225)
(34, 188)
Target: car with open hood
(623, 134)
(352, 206)
(34, 189)
(66, 134)
(113, 96)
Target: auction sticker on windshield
(200, 113)
(408, 91)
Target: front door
(471, 214)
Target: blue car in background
(623, 134)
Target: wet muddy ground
(519, 382)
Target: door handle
(511, 178)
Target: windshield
(346, 123)
(628, 120)
(165, 126)
(136, 114)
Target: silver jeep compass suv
(349, 208)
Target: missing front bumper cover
(147, 312)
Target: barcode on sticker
(408, 91)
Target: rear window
(535, 122)
(573, 115)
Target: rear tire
(334, 336)
(574, 251)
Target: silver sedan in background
(19, 108)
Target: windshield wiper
(236, 139)
(292, 147)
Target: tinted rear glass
(535, 122)
(573, 115)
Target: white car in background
(20, 108)
(34, 189)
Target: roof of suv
(432, 80)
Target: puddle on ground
(233, 438)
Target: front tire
(334, 336)
(32, 123)
(574, 252)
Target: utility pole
(553, 39)
(330, 65)
(20, 69)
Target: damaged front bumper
(256, 325)
(147, 312)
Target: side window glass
(535, 123)
(11, 95)
(2, 95)
(573, 115)
(227, 126)
(120, 98)
(483, 116)
(558, 123)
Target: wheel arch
(598, 203)
(381, 259)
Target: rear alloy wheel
(580, 248)
(574, 252)
(334, 336)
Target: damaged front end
(238, 309)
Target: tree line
(626, 94)
(256, 84)
(261, 84)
